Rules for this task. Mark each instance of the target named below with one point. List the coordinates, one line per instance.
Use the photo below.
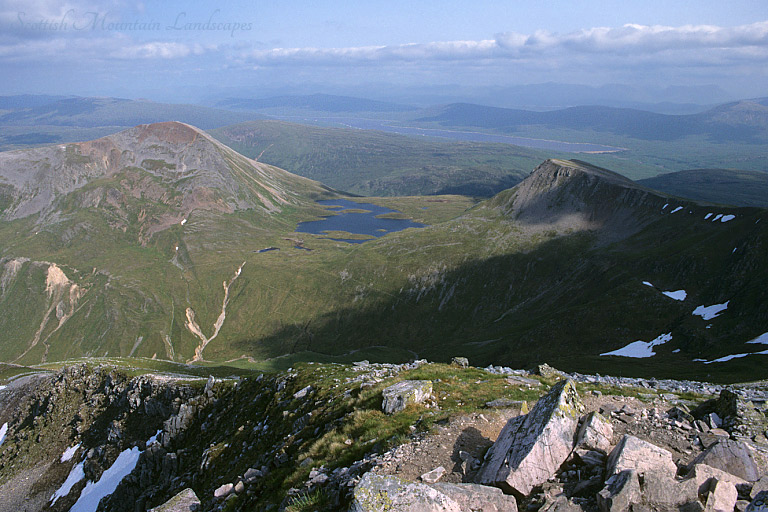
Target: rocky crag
(418, 436)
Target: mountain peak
(570, 195)
(169, 131)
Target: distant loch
(356, 218)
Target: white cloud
(158, 50)
(634, 40)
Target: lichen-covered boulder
(531, 448)
(185, 501)
(642, 456)
(397, 396)
(375, 493)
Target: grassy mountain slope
(376, 163)
(724, 186)
(146, 244)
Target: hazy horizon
(697, 52)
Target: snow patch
(69, 453)
(676, 210)
(676, 351)
(665, 206)
(106, 485)
(183, 221)
(3, 431)
(708, 216)
(736, 356)
(75, 475)
(640, 349)
(734, 250)
(710, 312)
(717, 217)
(726, 218)
(3, 387)
(646, 283)
(677, 295)
(153, 439)
(762, 339)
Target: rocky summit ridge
(322, 437)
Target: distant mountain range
(745, 121)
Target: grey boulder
(397, 396)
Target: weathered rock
(251, 475)
(378, 492)
(722, 497)
(433, 476)
(590, 458)
(531, 448)
(759, 503)
(239, 487)
(506, 403)
(548, 372)
(712, 436)
(224, 491)
(620, 493)
(185, 501)
(596, 433)
(461, 362)
(302, 393)
(661, 492)
(733, 457)
(703, 475)
(517, 380)
(642, 456)
(760, 486)
(397, 396)
(479, 498)
(559, 503)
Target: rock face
(595, 433)
(531, 448)
(760, 503)
(398, 396)
(731, 456)
(375, 493)
(642, 456)
(185, 501)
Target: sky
(193, 49)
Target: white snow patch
(153, 439)
(734, 250)
(3, 387)
(646, 283)
(736, 356)
(707, 216)
(699, 360)
(677, 295)
(717, 217)
(710, 312)
(762, 339)
(676, 210)
(69, 453)
(726, 218)
(640, 349)
(676, 351)
(3, 431)
(95, 491)
(183, 221)
(665, 206)
(75, 475)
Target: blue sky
(181, 49)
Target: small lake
(356, 218)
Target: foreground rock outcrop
(531, 447)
